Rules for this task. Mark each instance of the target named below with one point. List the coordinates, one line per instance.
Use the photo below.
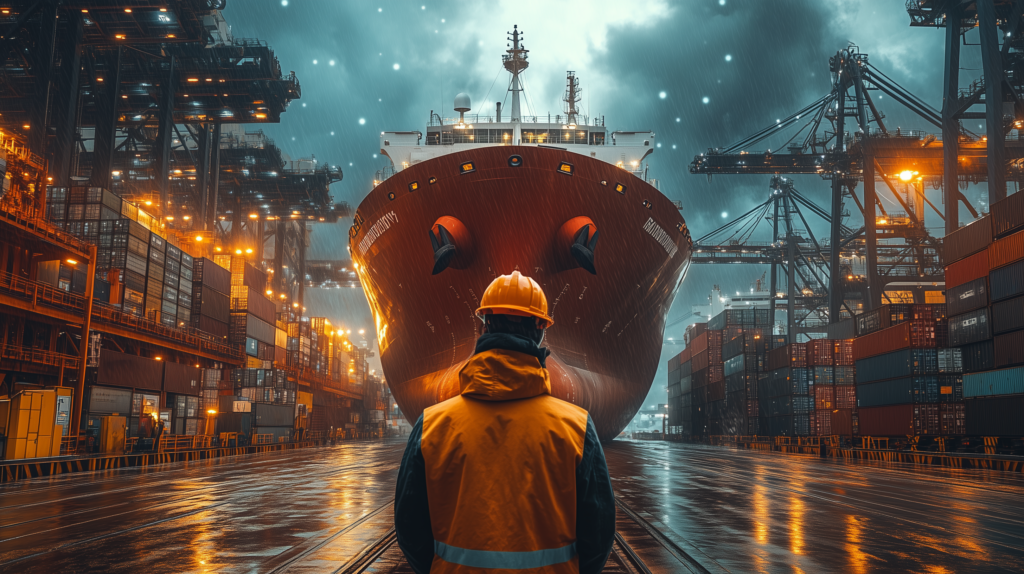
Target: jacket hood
(504, 368)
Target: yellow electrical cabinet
(32, 429)
(112, 434)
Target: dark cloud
(778, 50)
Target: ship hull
(607, 336)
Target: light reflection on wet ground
(310, 510)
(748, 511)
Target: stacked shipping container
(985, 290)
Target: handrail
(38, 356)
(41, 293)
(44, 228)
(262, 438)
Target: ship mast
(515, 62)
(572, 95)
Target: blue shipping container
(992, 383)
(907, 390)
(1006, 282)
(905, 363)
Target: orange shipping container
(700, 343)
(880, 342)
(967, 269)
(1003, 252)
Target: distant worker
(505, 475)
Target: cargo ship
(566, 202)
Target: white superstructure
(445, 136)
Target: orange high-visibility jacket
(505, 476)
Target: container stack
(268, 386)
(833, 377)
(743, 358)
(908, 382)
(985, 285)
(786, 392)
(211, 301)
(707, 382)
(253, 316)
(132, 252)
(680, 415)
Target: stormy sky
(699, 73)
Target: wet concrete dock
(682, 508)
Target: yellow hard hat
(515, 294)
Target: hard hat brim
(514, 310)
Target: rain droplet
(728, 57)
(362, 121)
(314, 62)
(332, 133)
(662, 95)
(284, 2)
(331, 63)
(724, 213)
(705, 100)
(396, 66)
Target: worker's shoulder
(442, 407)
(564, 409)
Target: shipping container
(906, 390)
(967, 297)
(732, 318)
(883, 317)
(967, 240)
(210, 274)
(124, 370)
(1007, 250)
(950, 361)
(903, 363)
(1008, 315)
(1008, 349)
(1008, 215)
(820, 352)
(995, 416)
(978, 357)
(181, 379)
(968, 269)
(792, 355)
(993, 383)
(844, 375)
(211, 303)
(846, 396)
(211, 326)
(1006, 282)
(880, 342)
(970, 328)
(247, 299)
(899, 420)
(845, 329)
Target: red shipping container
(951, 419)
(820, 352)
(899, 420)
(1008, 215)
(700, 361)
(714, 347)
(846, 396)
(685, 356)
(752, 408)
(716, 373)
(922, 333)
(842, 422)
(824, 397)
(967, 269)
(880, 342)
(1004, 251)
(792, 355)
(968, 240)
(844, 353)
(822, 423)
(1008, 349)
(700, 343)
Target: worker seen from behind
(505, 475)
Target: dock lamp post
(211, 422)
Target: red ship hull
(607, 336)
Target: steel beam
(163, 137)
(873, 298)
(211, 218)
(835, 290)
(83, 348)
(65, 105)
(950, 124)
(992, 66)
(105, 131)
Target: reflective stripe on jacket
(505, 476)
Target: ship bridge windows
(596, 138)
(556, 136)
(482, 136)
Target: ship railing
(436, 121)
(42, 227)
(50, 296)
(38, 357)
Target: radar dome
(462, 102)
